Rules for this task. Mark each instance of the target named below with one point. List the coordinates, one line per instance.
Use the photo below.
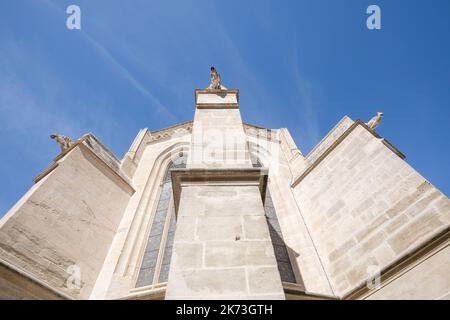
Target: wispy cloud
(22, 112)
(173, 70)
(162, 110)
(116, 65)
(36, 110)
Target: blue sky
(298, 64)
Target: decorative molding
(255, 131)
(169, 132)
(252, 130)
(217, 106)
(153, 292)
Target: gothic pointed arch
(154, 268)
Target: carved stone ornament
(63, 141)
(375, 121)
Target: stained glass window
(158, 251)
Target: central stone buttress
(222, 247)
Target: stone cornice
(208, 91)
(256, 176)
(255, 131)
(167, 133)
(221, 103)
(252, 130)
(217, 106)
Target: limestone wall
(277, 155)
(365, 206)
(69, 217)
(426, 279)
(328, 140)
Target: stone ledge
(28, 282)
(414, 256)
(311, 167)
(216, 99)
(217, 106)
(152, 292)
(257, 176)
(295, 291)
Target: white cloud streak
(109, 58)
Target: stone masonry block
(411, 233)
(186, 229)
(263, 280)
(255, 227)
(208, 283)
(238, 253)
(219, 228)
(187, 255)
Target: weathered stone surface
(264, 280)
(223, 201)
(415, 231)
(188, 255)
(208, 284)
(186, 227)
(219, 228)
(255, 228)
(359, 206)
(238, 254)
(388, 208)
(342, 249)
(68, 218)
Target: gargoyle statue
(63, 141)
(375, 121)
(215, 80)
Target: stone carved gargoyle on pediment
(375, 121)
(63, 141)
(216, 82)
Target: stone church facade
(217, 208)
